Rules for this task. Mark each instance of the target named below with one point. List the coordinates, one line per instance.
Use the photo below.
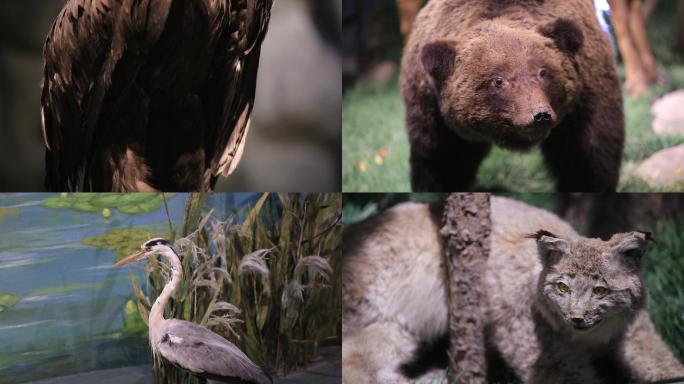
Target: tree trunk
(465, 234)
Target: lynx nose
(541, 115)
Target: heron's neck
(157, 311)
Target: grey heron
(142, 95)
(189, 345)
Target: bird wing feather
(90, 65)
(93, 55)
(74, 51)
(240, 27)
(205, 353)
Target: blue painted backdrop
(62, 306)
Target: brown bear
(515, 73)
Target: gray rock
(664, 168)
(668, 112)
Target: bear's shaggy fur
(514, 73)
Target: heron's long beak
(129, 259)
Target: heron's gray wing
(90, 64)
(205, 353)
(239, 28)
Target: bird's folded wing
(83, 52)
(74, 51)
(205, 353)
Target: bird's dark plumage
(149, 94)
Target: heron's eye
(498, 81)
(563, 288)
(600, 291)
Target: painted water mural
(63, 309)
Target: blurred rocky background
(294, 143)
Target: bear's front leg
(585, 151)
(440, 160)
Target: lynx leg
(374, 354)
(646, 353)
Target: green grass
(373, 121)
(664, 275)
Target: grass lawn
(664, 276)
(376, 148)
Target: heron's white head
(149, 248)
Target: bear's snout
(541, 117)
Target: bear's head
(506, 84)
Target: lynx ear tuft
(551, 247)
(647, 236)
(632, 248)
(538, 235)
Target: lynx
(559, 307)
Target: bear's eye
(498, 81)
(542, 73)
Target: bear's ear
(566, 33)
(438, 59)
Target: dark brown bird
(144, 95)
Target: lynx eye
(600, 291)
(563, 288)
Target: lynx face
(590, 286)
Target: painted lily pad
(7, 300)
(128, 203)
(123, 241)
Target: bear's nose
(541, 115)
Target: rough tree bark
(465, 234)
